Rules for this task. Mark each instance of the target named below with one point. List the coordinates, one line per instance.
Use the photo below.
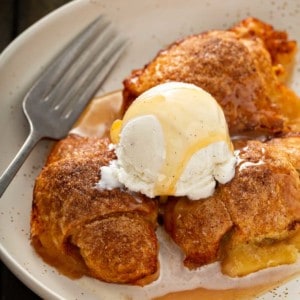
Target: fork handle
(10, 172)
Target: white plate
(150, 25)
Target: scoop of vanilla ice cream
(173, 140)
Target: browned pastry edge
(282, 50)
(78, 146)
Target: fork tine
(76, 69)
(55, 71)
(86, 75)
(95, 77)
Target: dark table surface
(15, 17)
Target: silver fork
(58, 97)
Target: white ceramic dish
(150, 25)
